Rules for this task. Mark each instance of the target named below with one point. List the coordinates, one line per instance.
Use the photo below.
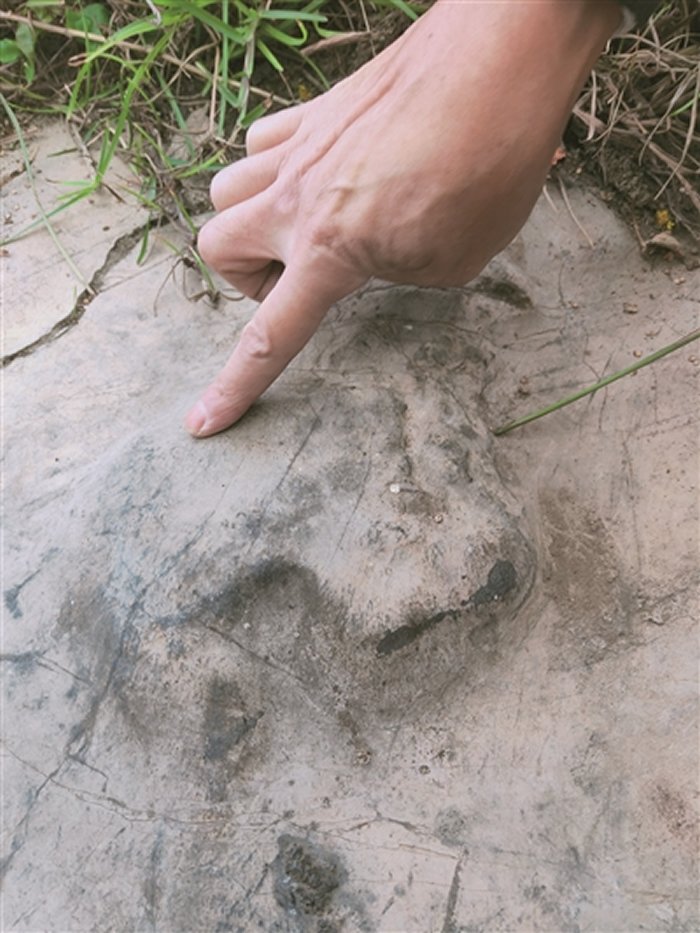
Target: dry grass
(637, 120)
(640, 115)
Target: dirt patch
(584, 577)
(646, 205)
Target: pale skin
(417, 169)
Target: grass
(135, 78)
(641, 110)
(608, 380)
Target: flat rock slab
(44, 289)
(355, 664)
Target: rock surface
(355, 664)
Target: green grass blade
(686, 106)
(294, 16)
(270, 56)
(30, 175)
(652, 358)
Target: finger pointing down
(278, 330)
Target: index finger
(279, 329)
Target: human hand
(417, 169)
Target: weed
(133, 78)
(608, 380)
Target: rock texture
(355, 664)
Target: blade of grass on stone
(107, 152)
(179, 120)
(32, 182)
(652, 358)
(145, 242)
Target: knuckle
(256, 340)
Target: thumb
(278, 330)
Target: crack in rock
(116, 253)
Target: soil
(637, 193)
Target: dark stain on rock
(275, 583)
(226, 721)
(95, 629)
(12, 602)
(583, 576)
(306, 878)
(152, 890)
(12, 595)
(304, 640)
(405, 635)
(505, 291)
(501, 580)
(452, 828)
(457, 455)
(676, 816)
(219, 744)
(23, 663)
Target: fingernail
(196, 419)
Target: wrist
(605, 18)
(556, 40)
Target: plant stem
(526, 419)
(194, 70)
(30, 175)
